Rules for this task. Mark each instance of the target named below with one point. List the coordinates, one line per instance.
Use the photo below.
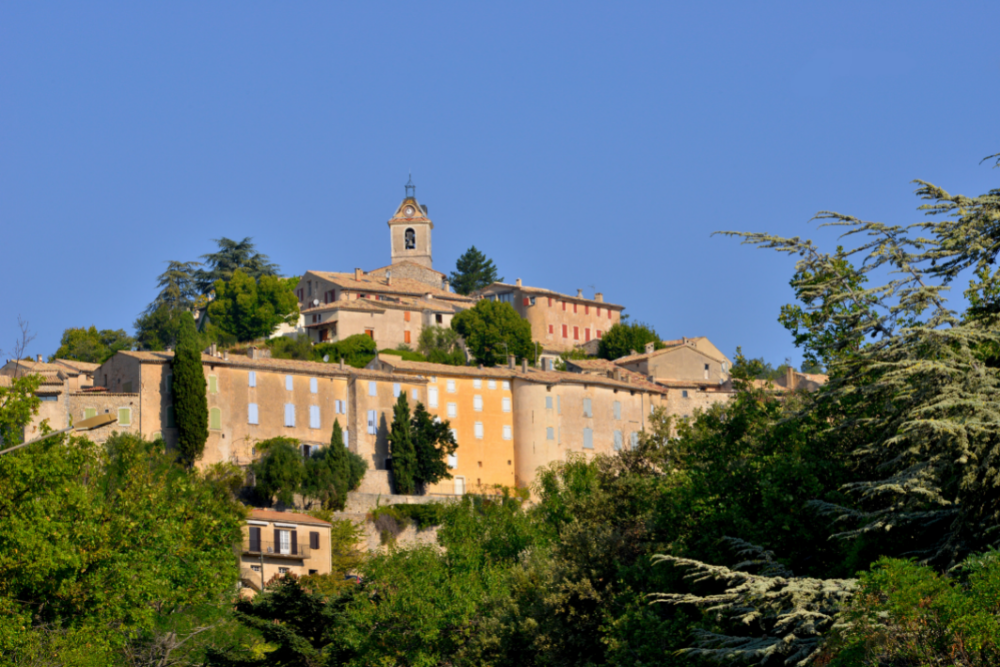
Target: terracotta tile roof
(286, 365)
(286, 517)
(82, 366)
(379, 285)
(533, 374)
(40, 367)
(383, 269)
(539, 291)
(381, 305)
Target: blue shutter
(313, 386)
(253, 378)
(588, 438)
(313, 416)
(252, 416)
(289, 414)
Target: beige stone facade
(559, 322)
(279, 543)
(688, 359)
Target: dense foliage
(92, 345)
(232, 256)
(625, 338)
(420, 445)
(402, 448)
(188, 391)
(492, 330)
(247, 308)
(325, 476)
(473, 271)
(441, 345)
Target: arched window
(411, 239)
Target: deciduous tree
(492, 330)
(230, 257)
(624, 337)
(92, 345)
(249, 309)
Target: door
(459, 486)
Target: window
(415, 395)
(618, 441)
(372, 388)
(170, 417)
(411, 239)
(253, 378)
(288, 383)
(492, 384)
(564, 305)
(588, 438)
(346, 438)
(406, 335)
(634, 439)
(550, 302)
(125, 416)
(551, 329)
(459, 486)
(313, 540)
(598, 311)
(618, 409)
(89, 412)
(586, 310)
(526, 301)
(370, 333)
(254, 535)
(450, 387)
(477, 403)
(340, 407)
(406, 318)
(505, 403)
(576, 333)
(168, 382)
(565, 331)
(477, 384)
(684, 393)
(598, 333)
(574, 307)
(432, 396)
(252, 414)
(283, 570)
(453, 461)
(507, 435)
(452, 410)
(215, 419)
(438, 318)
(213, 384)
(550, 433)
(587, 408)
(558, 405)
(609, 313)
(548, 402)
(313, 416)
(372, 422)
(313, 386)
(289, 414)
(478, 430)
(396, 390)
(506, 385)
(586, 333)
(255, 568)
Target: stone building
(279, 543)
(559, 322)
(685, 359)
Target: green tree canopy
(493, 329)
(189, 394)
(332, 471)
(178, 289)
(623, 337)
(92, 345)
(249, 309)
(433, 443)
(473, 271)
(356, 350)
(230, 257)
(279, 472)
(402, 448)
(441, 345)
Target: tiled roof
(286, 365)
(539, 291)
(82, 366)
(286, 517)
(41, 367)
(670, 345)
(383, 269)
(371, 305)
(533, 374)
(377, 284)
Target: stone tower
(410, 231)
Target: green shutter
(89, 412)
(213, 384)
(125, 416)
(215, 419)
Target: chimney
(632, 353)
(388, 277)
(618, 374)
(579, 294)
(599, 297)
(524, 365)
(790, 378)
(480, 367)
(510, 361)
(650, 346)
(39, 357)
(252, 352)
(225, 355)
(445, 285)
(341, 363)
(358, 273)
(518, 282)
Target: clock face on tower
(409, 211)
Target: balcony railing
(276, 549)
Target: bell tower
(410, 230)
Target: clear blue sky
(579, 144)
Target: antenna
(315, 302)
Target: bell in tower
(410, 230)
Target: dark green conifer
(433, 442)
(402, 449)
(190, 401)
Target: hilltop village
(509, 420)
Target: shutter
(124, 416)
(288, 382)
(289, 414)
(277, 541)
(252, 414)
(313, 540)
(395, 390)
(215, 419)
(89, 412)
(313, 386)
(313, 416)
(618, 441)
(295, 542)
(254, 538)
(588, 438)
(345, 437)
(253, 378)
(170, 417)
(372, 388)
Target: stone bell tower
(410, 231)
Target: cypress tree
(190, 401)
(402, 449)
(433, 442)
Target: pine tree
(402, 449)
(473, 271)
(433, 443)
(190, 400)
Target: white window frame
(618, 441)
(508, 432)
(453, 461)
(452, 410)
(347, 438)
(432, 396)
(492, 384)
(415, 394)
(588, 435)
(284, 542)
(550, 433)
(372, 422)
(548, 402)
(618, 410)
(477, 403)
(396, 389)
(477, 383)
(505, 403)
(588, 407)
(477, 429)
(450, 387)
(506, 385)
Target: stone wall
(107, 403)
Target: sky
(580, 145)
